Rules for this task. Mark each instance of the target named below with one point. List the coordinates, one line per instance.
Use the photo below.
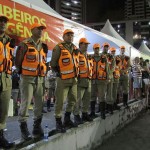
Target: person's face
(105, 50)
(68, 37)
(37, 32)
(3, 24)
(96, 51)
(122, 51)
(113, 52)
(137, 60)
(84, 47)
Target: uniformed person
(102, 72)
(6, 50)
(84, 83)
(95, 86)
(116, 77)
(31, 64)
(124, 75)
(65, 63)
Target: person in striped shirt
(137, 77)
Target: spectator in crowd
(137, 78)
(146, 77)
(15, 90)
(50, 84)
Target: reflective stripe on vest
(68, 63)
(34, 63)
(99, 70)
(6, 58)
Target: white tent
(109, 30)
(143, 48)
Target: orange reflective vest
(85, 66)
(99, 70)
(116, 73)
(34, 62)
(68, 63)
(6, 58)
(124, 64)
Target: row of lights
(73, 13)
(73, 1)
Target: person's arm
(55, 58)
(20, 52)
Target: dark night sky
(101, 10)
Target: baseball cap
(96, 45)
(112, 49)
(106, 44)
(2, 16)
(122, 47)
(84, 40)
(67, 31)
(36, 25)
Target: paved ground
(135, 136)
(13, 130)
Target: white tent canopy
(143, 48)
(109, 30)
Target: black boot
(68, 122)
(78, 119)
(92, 114)
(86, 117)
(102, 107)
(4, 143)
(59, 126)
(125, 100)
(116, 107)
(37, 129)
(24, 131)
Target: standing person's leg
(78, 104)
(26, 96)
(4, 107)
(125, 87)
(102, 88)
(94, 92)
(86, 103)
(61, 93)
(50, 94)
(109, 99)
(114, 94)
(15, 95)
(38, 106)
(72, 99)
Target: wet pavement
(134, 136)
